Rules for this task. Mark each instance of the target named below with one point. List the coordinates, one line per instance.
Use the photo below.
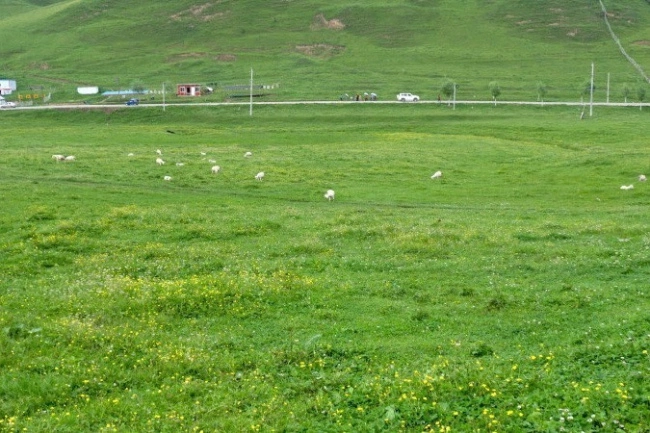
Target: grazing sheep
(130, 154)
(167, 178)
(158, 152)
(180, 164)
(203, 153)
(329, 195)
(58, 157)
(437, 175)
(642, 178)
(626, 187)
(248, 154)
(216, 169)
(259, 176)
(160, 161)
(70, 158)
(212, 161)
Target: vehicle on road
(133, 101)
(408, 97)
(6, 104)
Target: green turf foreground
(511, 295)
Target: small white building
(88, 90)
(7, 86)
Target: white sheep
(180, 164)
(216, 169)
(437, 175)
(259, 176)
(642, 178)
(58, 157)
(158, 152)
(212, 161)
(626, 187)
(130, 154)
(160, 161)
(329, 194)
(203, 153)
(70, 158)
(167, 178)
(248, 154)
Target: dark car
(133, 101)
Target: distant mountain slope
(323, 48)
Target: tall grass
(509, 296)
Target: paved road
(195, 104)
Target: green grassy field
(319, 50)
(509, 296)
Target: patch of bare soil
(320, 50)
(226, 58)
(182, 56)
(644, 43)
(320, 22)
(198, 12)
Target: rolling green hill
(317, 49)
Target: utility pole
(454, 106)
(591, 92)
(250, 112)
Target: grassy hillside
(319, 49)
(510, 295)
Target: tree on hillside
(447, 89)
(541, 91)
(495, 90)
(640, 95)
(625, 91)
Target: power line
(620, 46)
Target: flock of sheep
(215, 168)
(329, 194)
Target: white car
(7, 104)
(407, 97)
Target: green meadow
(511, 295)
